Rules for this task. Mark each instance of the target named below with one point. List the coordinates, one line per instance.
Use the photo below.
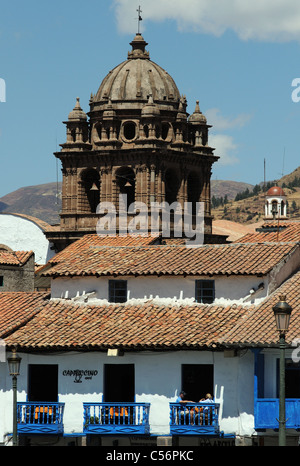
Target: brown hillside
(251, 209)
(290, 177)
(221, 188)
(39, 201)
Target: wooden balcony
(40, 418)
(194, 419)
(116, 418)
(266, 413)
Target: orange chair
(42, 411)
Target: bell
(127, 185)
(94, 187)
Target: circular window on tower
(129, 130)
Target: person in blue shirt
(184, 412)
(182, 398)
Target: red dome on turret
(275, 191)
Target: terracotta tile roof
(282, 223)
(62, 325)
(287, 232)
(89, 241)
(87, 258)
(14, 257)
(257, 326)
(16, 308)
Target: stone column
(152, 183)
(141, 184)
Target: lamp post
(14, 362)
(282, 312)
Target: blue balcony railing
(40, 417)
(116, 418)
(194, 419)
(266, 413)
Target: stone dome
(275, 191)
(135, 79)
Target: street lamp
(14, 362)
(282, 312)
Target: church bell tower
(137, 139)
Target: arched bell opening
(157, 131)
(171, 186)
(146, 131)
(274, 208)
(125, 182)
(193, 191)
(97, 132)
(73, 135)
(90, 180)
(192, 137)
(165, 129)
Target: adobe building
(138, 140)
(26, 233)
(16, 270)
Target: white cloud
(225, 148)
(224, 144)
(221, 123)
(265, 20)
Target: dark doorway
(43, 382)
(292, 379)
(119, 383)
(197, 380)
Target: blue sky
(238, 61)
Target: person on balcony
(206, 412)
(208, 399)
(185, 412)
(182, 398)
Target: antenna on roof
(264, 175)
(139, 17)
(283, 157)
(283, 161)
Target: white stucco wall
(241, 289)
(280, 202)
(157, 381)
(227, 289)
(21, 234)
